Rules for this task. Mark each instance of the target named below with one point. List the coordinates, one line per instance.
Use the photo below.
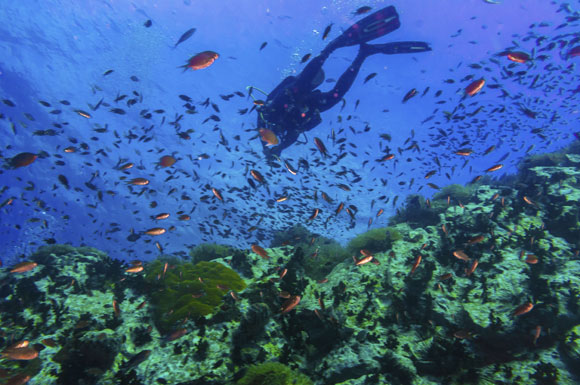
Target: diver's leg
(396, 47)
(371, 27)
(327, 100)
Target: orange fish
(380, 212)
(416, 264)
(282, 198)
(134, 269)
(217, 194)
(155, 231)
(19, 379)
(464, 152)
(22, 159)
(139, 181)
(269, 137)
(339, 208)
(528, 201)
(126, 166)
(161, 216)
(494, 168)
(518, 57)
(23, 267)
(116, 308)
(24, 353)
(184, 217)
(461, 255)
(366, 253)
(260, 251)
(445, 277)
(363, 261)
(201, 60)
(257, 176)
(314, 214)
(70, 149)
(472, 268)
(176, 334)
(523, 309)
(167, 161)
(387, 157)
(531, 259)
(289, 167)
(290, 304)
(489, 149)
(476, 239)
(321, 147)
(537, 333)
(474, 87)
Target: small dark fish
(369, 77)
(134, 78)
(63, 179)
(185, 36)
(305, 58)
(118, 111)
(137, 359)
(410, 94)
(148, 24)
(9, 103)
(362, 10)
(108, 72)
(327, 31)
(65, 102)
(264, 44)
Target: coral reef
(480, 290)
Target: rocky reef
(478, 285)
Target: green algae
(273, 373)
(188, 290)
(374, 240)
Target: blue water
(59, 50)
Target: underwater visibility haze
(285, 192)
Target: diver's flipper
(396, 47)
(371, 27)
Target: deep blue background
(59, 50)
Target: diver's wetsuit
(294, 106)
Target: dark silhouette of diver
(294, 106)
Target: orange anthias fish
(201, 60)
(459, 254)
(23, 267)
(518, 57)
(167, 161)
(523, 309)
(269, 137)
(135, 269)
(474, 87)
(290, 304)
(260, 251)
(416, 264)
(20, 353)
(321, 147)
(217, 194)
(155, 231)
(22, 159)
(139, 182)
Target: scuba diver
(294, 106)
